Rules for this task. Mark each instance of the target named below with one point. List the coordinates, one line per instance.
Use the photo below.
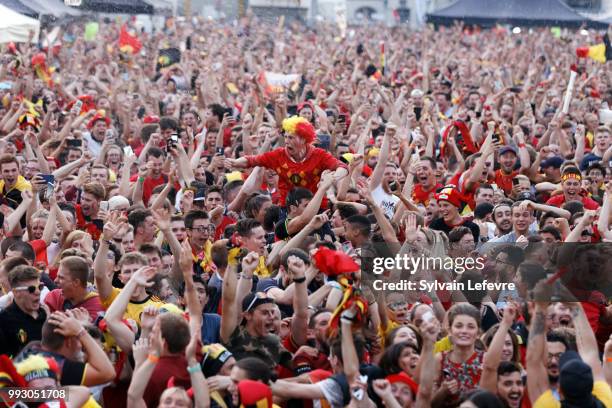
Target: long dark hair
(487, 338)
(389, 361)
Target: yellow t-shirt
(91, 403)
(601, 390)
(134, 309)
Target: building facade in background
(391, 12)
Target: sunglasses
(258, 295)
(31, 289)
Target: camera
(172, 142)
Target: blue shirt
(211, 328)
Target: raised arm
(492, 358)
(299, 323)
(230, 312)
(537, 380)
(121, 333)
(297, 223)
(314, 224)
(245, 281)
(194, 308)
(197, 154)
(603, 223)
(586, 341)
(14, 219)
(103, 281)
(251, 185)
(379, 170)
(350, 359)
(50, 225)
(479, 166)
(143, 372)
(427, 364)
(67, 169)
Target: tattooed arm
(537, 380)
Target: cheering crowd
(190, 217)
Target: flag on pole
(128, 42)
(601, 52)
(382, 58)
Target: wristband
(81, 333)
(243, 276)
(609, 360)
(300, 280)
(153, 358)
(141, 179)
(194, 369)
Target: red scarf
(463, 138)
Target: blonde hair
(73, 236)
(173, 390)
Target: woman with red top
(460, 369)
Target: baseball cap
(199, 195)
(555, 161)
(526, 195)
(254, 299)
(576, 379)
(507, 148)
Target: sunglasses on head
(31, 289)
(258, 295)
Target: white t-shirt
(385, 201)
(93, 145)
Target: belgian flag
(168, 57)
(600, 52)
(128, 41)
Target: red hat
(334, 263)
(450, 194)
(254, 394)
(100, 115)
(151, 119)
(39, 59)
(405, 379)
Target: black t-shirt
(18, 328)
(440, 225)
